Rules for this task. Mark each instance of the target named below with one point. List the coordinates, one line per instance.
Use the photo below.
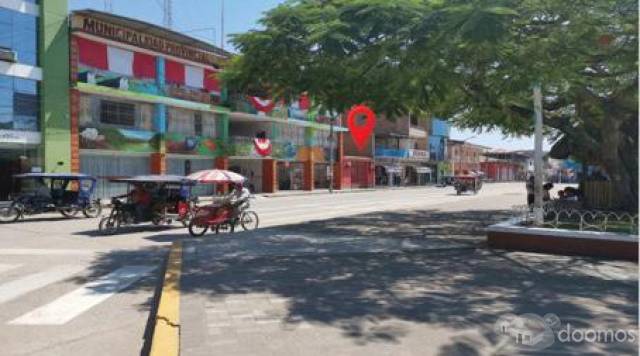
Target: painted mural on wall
(285, 151)
(118, 139)
(193, 145)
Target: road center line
(69, 306)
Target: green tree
(474, 61)
(584, 53)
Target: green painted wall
(54, 88)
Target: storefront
(250, 168)
(290, 175)
(109, 164)
(19, 153)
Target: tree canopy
(473, 61)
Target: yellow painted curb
(166, 332)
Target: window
(197, 123)
(18, 33)
(19, 104)
(117, 113)
(414, 120)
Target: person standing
(531, 191)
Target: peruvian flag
(116, 60)
(192, 76)
(263, 106)
(141, 65)
(262, 146)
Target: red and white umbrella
(216, 176)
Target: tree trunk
(612, 162)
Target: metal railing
(572, 217)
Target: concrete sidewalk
(282, 292)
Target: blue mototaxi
(66, 193)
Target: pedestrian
(530, 191)
(547, 191)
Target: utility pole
(167, 10)
(222, 24)
(538, 164)
(108, 6)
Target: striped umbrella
(216, 176)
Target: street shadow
(378, 297)
(50, 219)
(130, 229)
(452, 226)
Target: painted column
(309, 163)
(53, 47)
(222, 133)
(74, 103)
(269, 176)
(159, 159)
(75, 130)
(222, 163)
(339, 166)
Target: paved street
(395, 271)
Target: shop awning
(393, 169)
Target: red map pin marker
(361, 132)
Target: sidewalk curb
(166, 331)
(282, 194)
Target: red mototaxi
(219, 215)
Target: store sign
(20, 137)
(143, 40)
(393, 169)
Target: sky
(201, 19)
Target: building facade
(402, 151)
(502, 165)
(464, 157)
(438, 141)
(33, 88)
(146, 100)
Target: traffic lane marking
(35, 281)
(71, 305)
